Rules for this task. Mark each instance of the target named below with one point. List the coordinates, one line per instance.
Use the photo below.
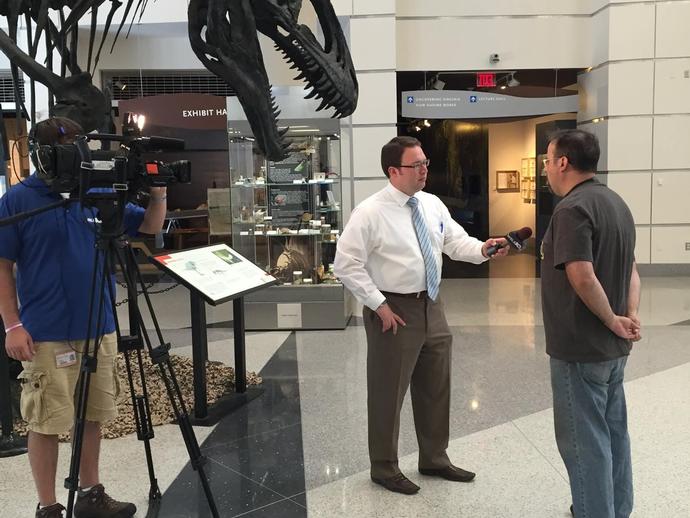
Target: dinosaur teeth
(323, 105)
(312, 94)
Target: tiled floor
(300, 448)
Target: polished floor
(300, 448)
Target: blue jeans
(591, 423)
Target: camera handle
(118, 248)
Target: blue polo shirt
(54, 252)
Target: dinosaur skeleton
(223, 35)
(74, 95)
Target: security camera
(494, 58)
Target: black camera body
(74, 168)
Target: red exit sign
(486, 79)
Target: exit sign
(486, 79)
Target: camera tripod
(112, 249)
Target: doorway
(485, 145)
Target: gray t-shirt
(592, 223)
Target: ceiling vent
(130, 85)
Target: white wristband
(13, 326)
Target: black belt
(415, 295)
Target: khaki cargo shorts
(49, 381)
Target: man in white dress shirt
(389, 257)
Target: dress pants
(419, 355)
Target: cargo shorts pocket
(32, 402)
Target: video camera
(76, 169)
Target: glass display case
(286, 217)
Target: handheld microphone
(516, 239)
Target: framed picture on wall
(508, 181)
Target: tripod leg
(161, 357)
(140, 401)
(193, 450)
(88, 366)
(142, 418)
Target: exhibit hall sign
(463, 104)
(188, 111)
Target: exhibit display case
(286, 217)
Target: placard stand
(215, 275)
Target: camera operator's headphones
(42, 156)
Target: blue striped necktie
(420, 228)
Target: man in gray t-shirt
(590, 298)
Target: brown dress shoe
(450, 473)
(52, 511)
(398, 484)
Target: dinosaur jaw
(327, 70)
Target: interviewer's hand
(390, 320)
(501, 252)
(19, 345)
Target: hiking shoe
(52, 511)
(97, 504)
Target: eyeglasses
(417, 165)
(547, 160)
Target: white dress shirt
(378, 249)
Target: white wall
(464, 43)
(466, 8)
(170, 50)
(158, 11)
(373, 41)
(640, 86)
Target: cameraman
(54, 254)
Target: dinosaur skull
(76, 98)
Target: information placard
(217, 272)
